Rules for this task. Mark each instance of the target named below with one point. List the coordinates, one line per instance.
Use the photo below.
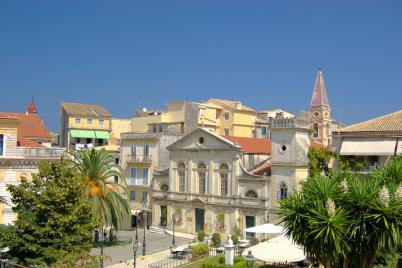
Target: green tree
(349, 219)
(318, 160)
(109, 198)
(54, 215)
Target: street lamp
(173, 223)
(135, 248)
(143, 242)
(136, 226)
(250, 259)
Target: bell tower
(320, 113)
(289, 160)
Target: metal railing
(40, 152)
(139, 158)
(8, 264)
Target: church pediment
(202, 139)
(198, 201)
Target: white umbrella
(267, 228)
(279, 249)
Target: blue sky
(130, 54)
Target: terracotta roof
(252, 145)
(30, 127)
(236, 105)
(386, 123)
(24, 142)
(92, 110)
(319, 97)
(263, 169)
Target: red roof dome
(32, 107)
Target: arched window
(164, 187)
(315, 130)
(251, 194)
(201, 170)
(181, 174)
(224, 173)
(284, 190)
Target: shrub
(199, 251)
(235, 239)
(215, 262)
(216, 239)
(201, 235)
(254, 241)
(264, 239)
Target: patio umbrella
(279, 249)
(267, 228)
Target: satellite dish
(144, 110)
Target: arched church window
(284, 190)
(223, 173)
(251, 194)
(315, 130)
(201, 170)
(181, 173)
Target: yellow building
(119, 126)
(234, 118)
(141, 154)
(22, 146)
(84, 126)
(224, 117)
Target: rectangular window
(89, 140)
(144, 196)
(1, 144)
(116, 179)
(78, 121)
(132, 195)
(154, 128)
(250, 222)
(133, 151)
(101, 122)
(146, 151)
(133, 175)
(89, 121)
(226, 116)
(145, 176)
(226, 130)
(78, 140)
(160, 128)
(264, 131)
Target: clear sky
(126, 55)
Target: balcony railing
(138, 182)
(40, 152)
(139, 158)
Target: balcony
(138, 182)
(139, 158)
(40, 152)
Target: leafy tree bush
(201, 235)
(235, 239)
(219, 262)
(345, 219)
(54, 216)
(199, 250)
(216, 239)
(254, 241)
(318, 160)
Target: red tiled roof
(252, 145)
(263, 169)
(30, 127)
(23, 142)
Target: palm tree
(346, 217)
(109, 198)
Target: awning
(98, 134)
(267, 228)
(368, 146)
